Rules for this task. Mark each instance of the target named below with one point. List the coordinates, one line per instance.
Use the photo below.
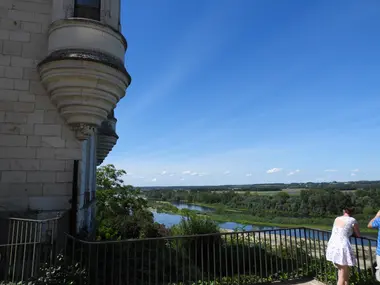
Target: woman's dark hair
(349, 210)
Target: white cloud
(248, 174)
(182, 179)
(200, 174)
(353, 174)
(355, 170)
(293, 172)
(164, 172)
(227, 172)
(154, 179)
(274, 170)
(189, 172)
(331, 170)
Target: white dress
(339, 250)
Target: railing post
(306, 251)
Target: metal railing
(28, 243)
(249, 257)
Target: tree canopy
(122, 212)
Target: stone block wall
(37, 149)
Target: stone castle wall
(37, 149)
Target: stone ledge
(77, 33)
(83, 22)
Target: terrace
(253, 257)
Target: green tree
(122, 212)
(108, 177)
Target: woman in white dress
(339, 250)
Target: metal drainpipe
(74, 199)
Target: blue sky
(250, 91)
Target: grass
(248, 221)
(242, 216)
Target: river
(170, 220)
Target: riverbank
(223, 214)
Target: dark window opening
(89, 9)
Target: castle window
(89, 9)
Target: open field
(290, 191)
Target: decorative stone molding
(85, 86)
(105, 145)
(84, 72)
(82, 131)
(107, 138)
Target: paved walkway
(311, 282)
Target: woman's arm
(356, 230)
(370, 224)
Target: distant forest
(352, 185)
(322, 200)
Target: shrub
(326, 272)
(220, 209)
(153, 230)
(60, 274)
(195, 225)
